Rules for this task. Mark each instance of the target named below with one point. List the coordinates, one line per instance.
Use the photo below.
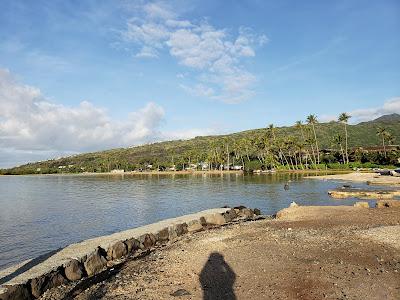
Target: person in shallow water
(217, 279)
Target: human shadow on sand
(217, 279)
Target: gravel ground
(310, 253)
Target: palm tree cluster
(268, 150)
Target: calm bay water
(43, 213)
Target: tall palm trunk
(343, 156)
(384, 146)
(316, 142)
(347, 153)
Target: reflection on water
(43, 213)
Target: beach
(370, 178)
(307, 253)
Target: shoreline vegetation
(304, 146)
(213, 172)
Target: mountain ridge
(360, 135)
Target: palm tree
(344, 118)
(312, 120)
(383, 134)
(299, 125)
(338, 140)
(390, 139)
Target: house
(204, 166)
(237, 168)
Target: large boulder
(132, 245)
(147, 240)
(117, 250)
(230, 215)
(176, 230)
(162, 235)
(246, 213)
(95, 262)
(43, 283)
(215, 219)
(257, 211)
(195, 226)
(387, 203)
(74, 270)
(12, 292)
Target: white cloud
(389, 107)
(32, 125)
(214, 55)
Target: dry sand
(371, 178)
(309, 253)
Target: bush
(253, 165)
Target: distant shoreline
(213, 172)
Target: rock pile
(101, 259)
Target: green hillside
(259, 146)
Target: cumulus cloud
(213, 54)
(390, 106)
(33, 127)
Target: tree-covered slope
(200, 148)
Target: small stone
(95, 262)
(117, 250)
(180, 292)
(74, 270)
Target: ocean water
(43, 213)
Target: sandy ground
(371, 178)
(310, 253)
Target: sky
(78, 76)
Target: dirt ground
(310, 253)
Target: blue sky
(87, 75)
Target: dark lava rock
(230, 215)
(257, 211)
(117, 250)
(43, 283)
(74, 270)
(132, 245)
(163, 235)
(95, 262)
(148, 240)
(13, 292)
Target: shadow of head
(217, 278)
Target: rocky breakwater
(91, 258)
